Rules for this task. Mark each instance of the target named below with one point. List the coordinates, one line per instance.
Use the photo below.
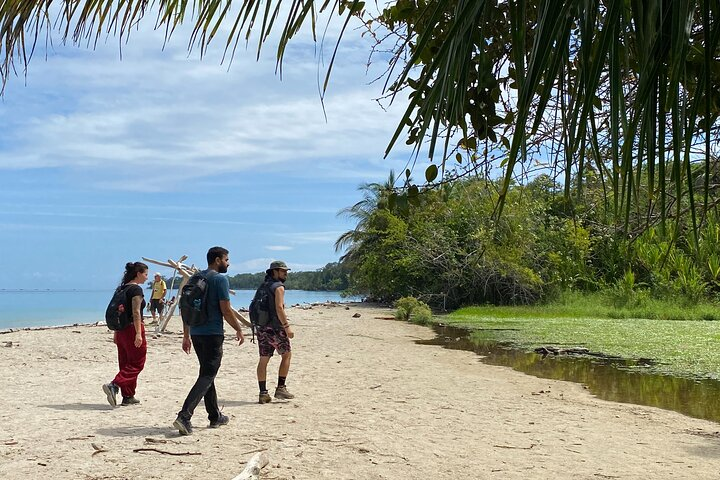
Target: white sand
(371, 404)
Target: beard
(222, 269)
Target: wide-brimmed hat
(277, 265)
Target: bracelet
(287, 325)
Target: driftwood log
(240, 318)
(252, 469)
(562, 351)
(186, 273)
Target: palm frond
(634, 83)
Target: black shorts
(157, 305)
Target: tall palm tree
(643, 75)
(375, 197)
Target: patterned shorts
(270, 340)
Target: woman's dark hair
(131, 271)
(214, 253)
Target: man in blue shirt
(207, 339)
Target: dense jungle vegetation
(572, 144)
(332, 276)
(448, 250)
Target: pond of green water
(609, 378)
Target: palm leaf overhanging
(625, 88)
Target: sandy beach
(370, 404)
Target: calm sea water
(34, 308)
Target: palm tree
(632, 84)
(375, 197)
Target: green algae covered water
(609, 378)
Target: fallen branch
(518, 448)
(254, 451)
(164, 452)
(253, 467)
(98, 449)
(157, 440)
(240, 318)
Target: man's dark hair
(214, 253)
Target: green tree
(375, 197)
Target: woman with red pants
(130, 341)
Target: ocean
(42, 308)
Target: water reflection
(615, 379)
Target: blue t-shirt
(218, 289)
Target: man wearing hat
(276, 334)
(157, 300)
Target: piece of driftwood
(545, 351)
(97, 448)
(252, 469)
(164, 452)
(37, 329)
(513, 446)
(254, 451)
(240, 318)
(186, 272)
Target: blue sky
(159, 154)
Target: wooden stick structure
(252, 470)
(240, 318)
(186, 272)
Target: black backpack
(193, 300)
(260, 307)
(118, 315)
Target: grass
(675, 336)
(599, 305)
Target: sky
(108, 155)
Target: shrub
(410, 308)
(421, 314)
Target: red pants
(130, 358)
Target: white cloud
(305, 267)
(69, 228)
(161, 119)
(278, 248)
(252, 265)
(180, 219)
(260, 264)
(312, 237)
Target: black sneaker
(129, 401)
(221, 420)
(111, 390)
(183, 426)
